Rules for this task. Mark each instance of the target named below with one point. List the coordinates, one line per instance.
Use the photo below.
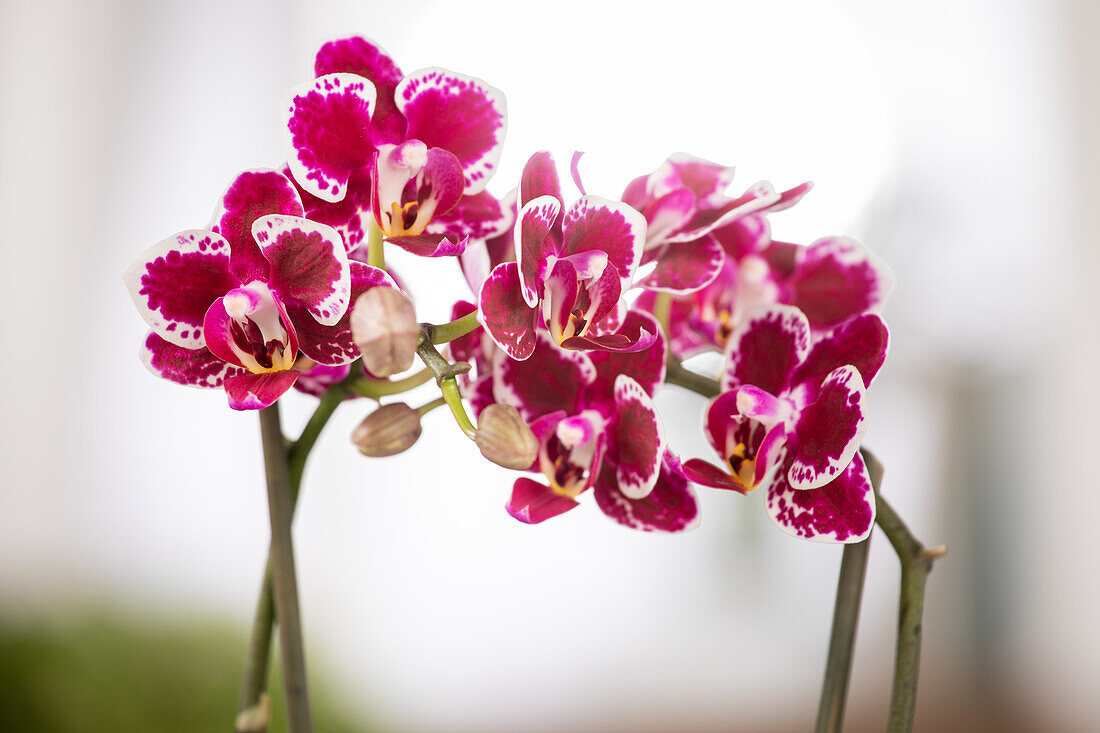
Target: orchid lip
(258, 334)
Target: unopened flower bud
(389, 430)
(504, 438)
(383, 324)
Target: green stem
(376, 246)
(446, 332)
(676, 374)
(252, 705)
(375, 388)
(428, 407)
(916, 562)
(849, 594)
(449, 387)
(281, 556)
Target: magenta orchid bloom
(570, 271)
(234, 305)
(407, 147)
(792, 418)
(597, 428)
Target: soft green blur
(103, 673)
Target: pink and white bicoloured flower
(597, 428)
(234, 306)
(409, 146)
(792, 418)
(570, 271)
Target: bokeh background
(957, 138)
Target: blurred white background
(955, 138)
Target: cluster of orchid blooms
(578, 310)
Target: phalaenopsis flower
(414, 151)
(234, 305)
(792, 417)
(570, 271)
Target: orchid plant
(578, 313)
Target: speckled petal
(842, 511)
(646, 367)
(174, 282)
(539, 178)
(837, 278)
(191, 367)
(506, 317)
(686, 267)
(766, 347)
(638, 439)
(458, 113)
(862, 342)
(594, 223)
(670, 507)
(535, 248)
(551, 379)
(362, 56)
(431, 245)
(827, 432)
(308, 263)
(327, 124)
(252, 194)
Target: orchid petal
(174, 282)
(551, 379)
(699, 471)
(841, 511)
(308, 263)
(534, 245)
(362, 56)
(326, 135)
(320, 377)
(560, 298)
(431, 245)
(257, 391)
(457, 113)
(862, 342)
(668, 215)
(532, 502)
(670, 507)
(252, 194)
(828, 432)
(707, 180)
(759, 197)
(594, 223)
(333, 345)
(686, 267)
(539, 178)
(837, 278)
(639, 439)
(646, 367)
(480, 216)
(766, 347)
(191, 367)
(510, 322)
(632, 337)
(575, 171)
(759, 405)
(347, 215)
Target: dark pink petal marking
(600, 297)
(670, 507)
(862, 341)
(766, 347)
(257, 391)
(637, 439)
(532, 502)
(362, 56)
(457, 113)
(539, 178)
(721, 422)
(828, 432)
(308, 263)
(632, 337)
(646, 367)
(837, 278)
(174, 282)
(748, 235)
(348, 215)
(191, 367)
(841, 511)
(534, 246)
(551, 379)
(560, 298)
(334, 345)
(252, 194)
(686, 267)
(505, 315)
(431, 245)
(479, 216)
(699, 471)
(594, 223)
(327, 127)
